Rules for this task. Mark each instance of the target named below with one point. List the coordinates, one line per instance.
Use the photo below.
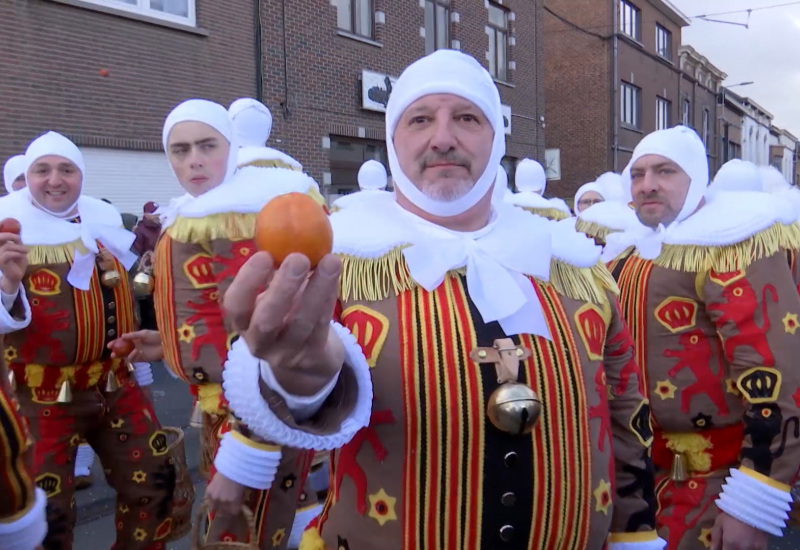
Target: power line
(745, 11)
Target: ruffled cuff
(9, 322)
(269, 417)
(8, 299)
(301, 520)
(646, 540)
(302, 408)
(143, 373)
(246, 462)
(28, 531)
(757, 500)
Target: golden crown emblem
(592, 329)
(199, 270)
(45, 283)
(760, 385)
(677, 314)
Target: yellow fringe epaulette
(586, 284)
(231, 226)
(735, 257)
(270, 163)
(550, 213)
(55, 254)
(593, 229)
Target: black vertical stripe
(15, 448)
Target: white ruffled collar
(365, 195)
(615, 215)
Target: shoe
(83, 482)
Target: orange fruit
(10, 225)
(122, 348)
(294, 223)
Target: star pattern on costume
(702, 421)
(123, 509)
(705, 537)
(666, 389)
(278, 537)
(731, 387)
(791, 323)
(139, 476)
(117, 423)
(602, 497)
(75, 440)
(140, 534)
(382, 507)
(10, 353)
(186, 333)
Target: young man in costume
(713, 310)
(68, 386)
(473, 320)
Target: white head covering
(684, 147)
(14, 168)
(372, 175)
(207, 112)
(501, 189)
(585, 188)
(446, 72)
(252, 122)
(530, 177)
(736, 175)
(772, 179)
(613, 190)
(53, 143)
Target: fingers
(310, 322)
(9, 238)
(240, 298)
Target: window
(179, 11)
(664, 43)
(498, 42)
(437, 25)
(347, 155)
(663, 108)
(630, 105)
(686, 115)
(630, 20)
(356, 16)
(706, 126)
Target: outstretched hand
(148, 346)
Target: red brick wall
(50, 55)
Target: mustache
(451, 157)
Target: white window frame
(142, 7)
(433, 33)
(686, 113)
(630, 104)
(354, 22)
(630, 20)
(663, 42)
(663, 108)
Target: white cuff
(302, 408)
(143, 373)
(646, 540)
(8, 299)
(301, 520)
(755, 502)
(247, 463)
(240, 383)
(7, 322)
(28, 531)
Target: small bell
(514, 408)
(197, 417)
(12, 381)
(111, 278)
(65, 393)
(680, 467)
(112, 384)
(143, 284)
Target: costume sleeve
(634, 501)
(16, 311)
(756, 313)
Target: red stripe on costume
(411, 473)
(89, 321)
(164, 300)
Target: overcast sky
(766, 53)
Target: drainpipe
(615, 100)
(259, 52)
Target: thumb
(716, 535)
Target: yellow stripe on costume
(164, 301)
(90, 321)
(634, 281)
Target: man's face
(19, 183)
(199, 156)
(443, 144)
(54, 182)
(588, 199)
(659, 187)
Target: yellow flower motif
(139, 476)
(75, 440)
(117, 423)
(705, 537)
(186, 333)
(730, 387)
(123, 509)
(10, 354)
(603, 497)
(382, 507)
(666, 389)
(791, 323)
(140, 534)
(278, 537)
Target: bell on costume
(197, 417)
(514, 408)
(143, 282)
(110, 277)
(65, 393)
(112, 384)
(680, 468)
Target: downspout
(615, 99)
(259, 50)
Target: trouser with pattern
(123, 430)
(686, 510)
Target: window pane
(502, 64)
(175, 7)
(345, 15)
(497, 16)
(364, 20)
(442, 27)
(430, 27)
(493, 52)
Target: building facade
(106, 73)
(756, 126)
(783, 153)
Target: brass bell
(12, 381)
(197, 417)
(143, 284)
(680, 468)
(111, 278)
(514, 408)
(65, 393)
(112, 384)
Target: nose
(195, 158)
(443, 139)
(648, 183)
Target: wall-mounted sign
(552, 164)
(375, 90)
(507, 118)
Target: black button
(112, 305)
(506, 533)
(111, 319)
(510, 459)
(508, 499)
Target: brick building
(106, 72)
(612, 75)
